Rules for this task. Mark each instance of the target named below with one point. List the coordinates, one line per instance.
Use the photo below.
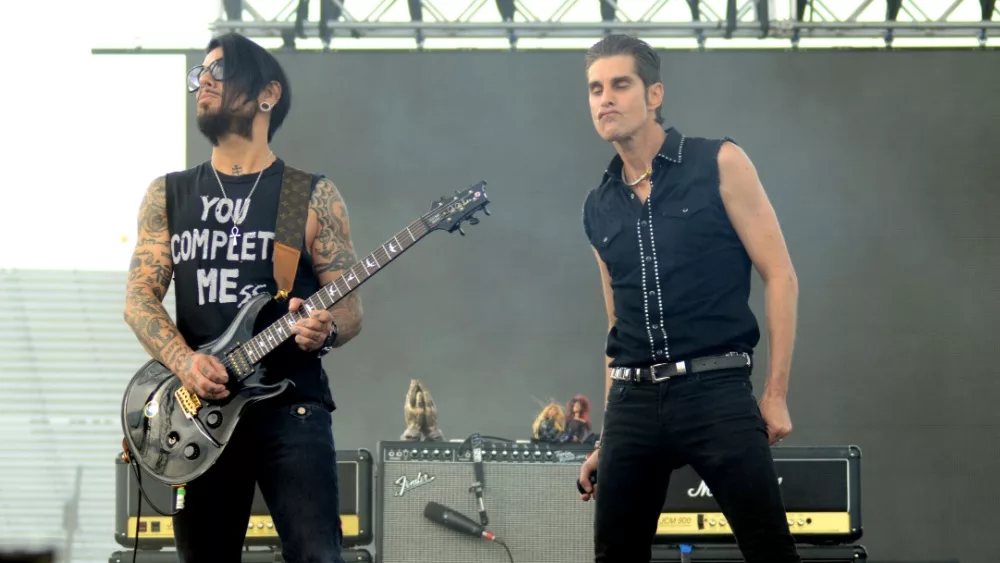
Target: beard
(217, 124)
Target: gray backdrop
(882, 168)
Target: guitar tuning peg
(486, 210)
(473, 220)
(461, 232)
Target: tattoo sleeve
(333, 252)
(149, 277)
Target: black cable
(507, 549)
(138, 505)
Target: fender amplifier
(529, 495)
(820, 486)
(725, 554)
(249, 556)
(354, 476)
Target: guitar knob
(214, 419)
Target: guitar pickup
(240, 363)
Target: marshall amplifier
(724, 554)
(354, 475)
(528, 494)
(820, 485)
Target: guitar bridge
(190, 403)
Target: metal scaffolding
(791, 19)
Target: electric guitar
(175, 436)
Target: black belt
(662, 372)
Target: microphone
(458, 522)
(477, 486)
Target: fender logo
(405, 484)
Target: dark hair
(647, 62)
(248, 69)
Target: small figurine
(420, 414)
(577, 426)
(548, 426)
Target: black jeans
(709, 421)
(289, 451)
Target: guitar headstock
(449, 212)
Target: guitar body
(175, 445)
(176, 436)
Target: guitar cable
(180, 493)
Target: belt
(662, 372)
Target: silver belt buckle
(681, 369)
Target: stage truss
(551, 19)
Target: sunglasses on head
(215, 69)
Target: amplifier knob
(711, 522)
(426, 452)
(260, 525)
(791, 522)
(249, 525)
(514, 453)
(801, 522)
(493, 453)
(437, 453)
(538, 453)
(548, 454)
(722, 522)
(414, 452)
(503, 453)
(270, 525)
(447, 452)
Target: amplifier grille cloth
(533, 507)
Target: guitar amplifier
(529, 495)
(820, 486)
(249, 556)
(726, 554)
(354, 475)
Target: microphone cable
(507, 549)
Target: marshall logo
(702, 490)
(403, 484)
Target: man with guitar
(676, 224)
(216, 230)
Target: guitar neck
(279, 331)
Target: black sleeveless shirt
(679, 273)
(215, 274)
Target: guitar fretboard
(279, 331)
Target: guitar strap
(293, 210)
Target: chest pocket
(614, 245)
(687, 230)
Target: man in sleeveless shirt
(676, 224)
(211, 228)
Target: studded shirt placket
(643, 261)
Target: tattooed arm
(333, 252)
(148, 279)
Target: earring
(266, 106)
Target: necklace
(648, 173)
(235, 231)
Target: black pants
(288, 450)
(709, 421)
